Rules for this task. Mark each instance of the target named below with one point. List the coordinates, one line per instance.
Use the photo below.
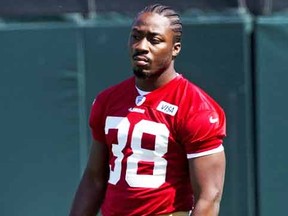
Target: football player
(157, 137)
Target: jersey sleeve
(203, 131)
(96, 119)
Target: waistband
(179, 213)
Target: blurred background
(56, 55)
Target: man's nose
(142, 45)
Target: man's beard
(139, 73)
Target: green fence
(40, 121)
(272, 106)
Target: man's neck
(152, 83)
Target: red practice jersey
(150, 139)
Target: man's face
(151, 45)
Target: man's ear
(176, 49)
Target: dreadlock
(166, 11)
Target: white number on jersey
(161, 133)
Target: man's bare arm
(207, 179)
(92, 187)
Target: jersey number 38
(161, 133)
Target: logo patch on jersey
(213, 120)
(140, 100)
(167, 108)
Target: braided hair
(166, 11)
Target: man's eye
(136, 37)
(155, 41)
